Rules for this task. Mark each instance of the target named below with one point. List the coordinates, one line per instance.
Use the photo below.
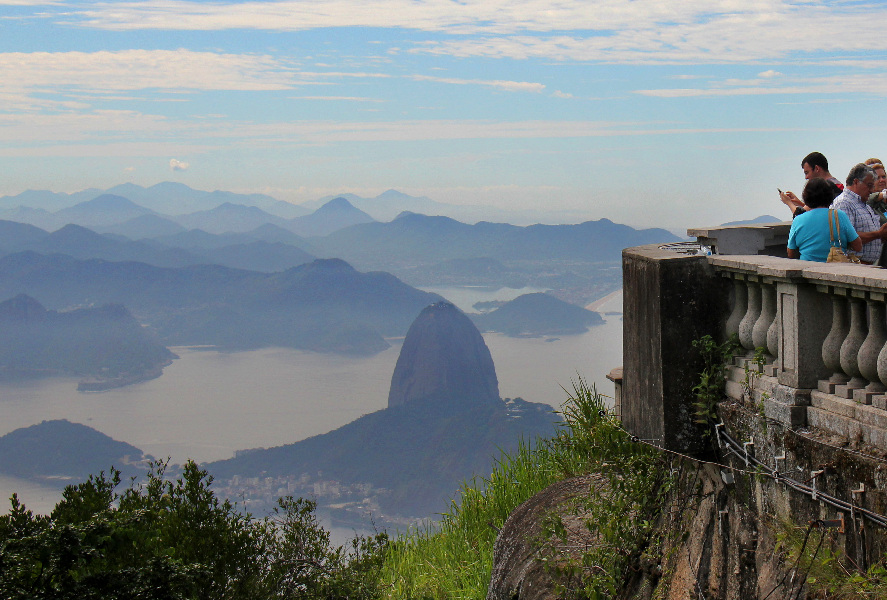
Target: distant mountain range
(114, 213)
(167, 197)
(324, 306)
(426, 239)
(390, 203)
(176, 199)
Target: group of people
(851, 215)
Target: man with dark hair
(814, 164)
(860, 183)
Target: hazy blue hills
(436, 239)
(47, 200)
(336, 214)
(258, 256)
(102, 210)
(229, 217)
(763, 219)
(64, 450)
(114, 213)
(16, 236)
(143, 226)
(240, 251)
(168, 198)
(106, 343)
(536, 315)
(323, 306)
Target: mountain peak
(338, 203)
(444, 360)
(21, 307)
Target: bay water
(208, 404)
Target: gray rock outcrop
(522, 559)
(444, 359)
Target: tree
(174, 540)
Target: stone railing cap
(836, 273)
(713, 230)
(770, 266)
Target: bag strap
(833, 215)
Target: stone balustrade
(819, 330)
(822, 330)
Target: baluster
(850, 348)
(831, 346)
(765, 319)
(773, 336)
(870, 351)
(740, 307)
(747, 325)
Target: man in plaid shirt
(860, 183)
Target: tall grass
(453, 559)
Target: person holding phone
(810, 237)
(814, 165)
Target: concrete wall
(670, 300)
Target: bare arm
(791, 201)
(855, 245)
(792, 253)
(870, 236)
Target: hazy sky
(648, 112)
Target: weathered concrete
(670, 301)
(770, 239)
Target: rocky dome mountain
(444, 425)
(445, 360)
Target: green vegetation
(174, 539)
(812, 557)
(455, 559)
(710, 389)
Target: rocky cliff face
(444, 359)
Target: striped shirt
(864, 219)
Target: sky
(672, 113)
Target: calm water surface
(208, 404)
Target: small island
(537, 315)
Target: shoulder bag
(836, 252)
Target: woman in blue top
(809, 238)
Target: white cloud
(847, 86)
(560, 94)
(770, 74)
(177, 165)
(619, 31)
(127, 133)
(338, 98)
(509, 86)
(143, 69)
